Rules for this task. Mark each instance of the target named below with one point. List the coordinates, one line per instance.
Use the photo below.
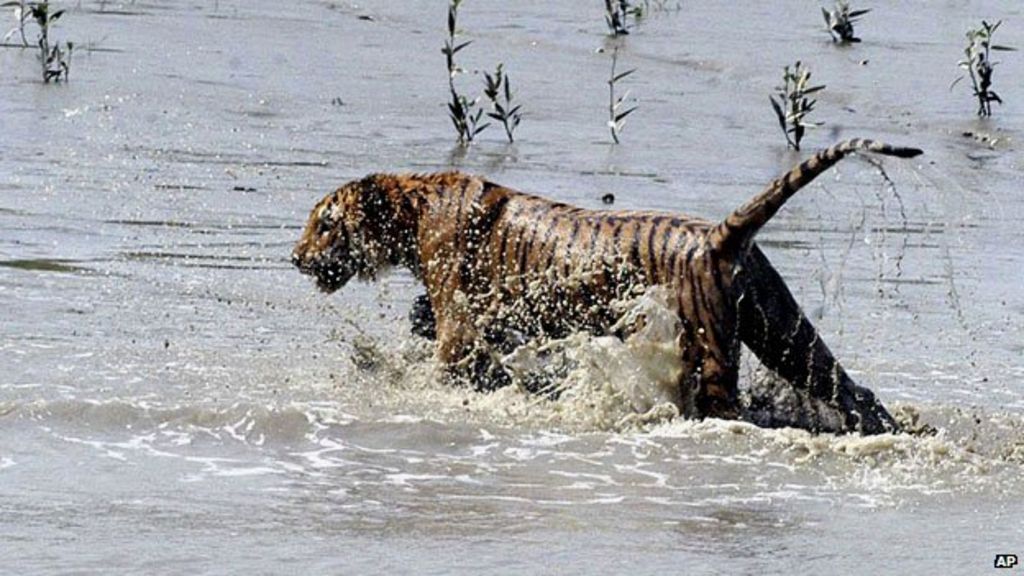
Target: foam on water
(593, 383)
(624, 388)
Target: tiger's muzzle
(329, 273)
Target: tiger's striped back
(536, 236)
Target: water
(176, 399)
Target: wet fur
(496, 261)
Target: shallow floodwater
(175, 398)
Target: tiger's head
(355, 231)
(334, 247)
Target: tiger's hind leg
(776, 330)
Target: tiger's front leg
(467, 357)
(421, 318)
(774, 327)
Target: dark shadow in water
(456, 155)
(45, 265)
(216, 261)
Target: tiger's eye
(323, 224)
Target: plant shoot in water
(463, 112)
(615, 14)
(840, 22)
(499, 92)
(466, 114)
(979, 65)
(618, 12)
(793, 105)
(616, 114)
(21, 14)
(56, 62)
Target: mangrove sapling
(979, 65)
(463, 112)
(616, 114)
(21, 14)
(840, 21)
(499, 91)
(55, 61)
(793, 105)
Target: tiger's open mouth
(329, 276)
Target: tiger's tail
(735, 233)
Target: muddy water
(175, 399)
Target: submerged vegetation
(793, 104)
(840, 21)
(979, 65)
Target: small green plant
(55, 61)
(840, 21)
(499, 91)
(979, 65)
(793, 104)
(463, 112)
(22, 16)
(616, 114)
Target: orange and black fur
(496, 261)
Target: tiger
(540, 267)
